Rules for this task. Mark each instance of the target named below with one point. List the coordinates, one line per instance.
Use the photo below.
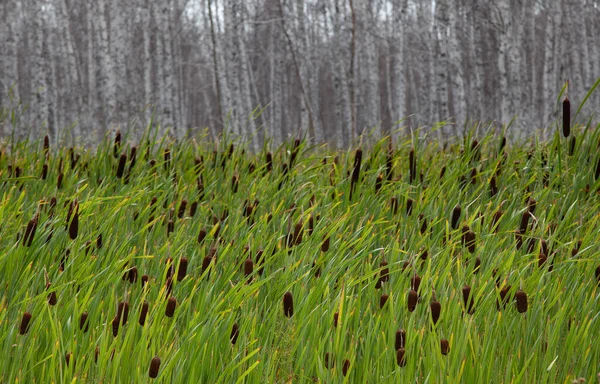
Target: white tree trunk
(399, 31)
(107, 80)
(458, 91)
(39, 104)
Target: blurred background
(330, 70)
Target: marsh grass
(397, 256)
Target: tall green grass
(346, 242)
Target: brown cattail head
(329, 363)
(154, 367)
(235, 331)
(44, 171)
(144, 280)
(25, 320)
(412, 165)
(288, 304)
(83, 323)
(59, 181)
(477, 265)
(445, 346)
(248, 268)
(409, 206)
(504, 297)
(455, 216)
(171, 305)
(201, 235)
(143, 313)
(206, 263)
(597, 273)
(383, 299)
(52, 299)
(117, 144)
(400, 339)
(415, 282)
(325, 245)
(269, 161)
(121, 166)
(346, 367)
(519, 238)
(423, 221)
(182, 207)
(235, 183)
(496, 218)
(436, 308)
(170, 227)
(182, 269)
(413, 297)
(46, 143)
(297, 239)
(521, 298)
(384, 273)
(468, 299)
(74, 225)
(336, 317)
(68, 356)
(394, 204)
(401, 357)
(566, 117)
(115, 326)
(356, 169)
(30, 231)
(470, 240)
(524, 221)
(378, 183)
(193, 208)
(493, 187)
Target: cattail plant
(413, 297)
(521, 301)
(182, 207)
(412, 165)
(248, 269)
(409, 206)
(455, 216)
(325, 244)
(68, 357)
(355, 171)
(25, 320)
(346, 367)
(382, 300)
(44, 171)
(336, 317)
(171, 305)
(566, 117)
(384, 273)
(235, 332)
(84, 325)
(445, 346)
(154, 367)
(115, 326)
(121, 166)
(329, 363)
(400, 339)
(123, 312)
(504, 297)
(415, 282)
(435, 308)
(378, 183)
(394, 205)
(288, 304)
(468, 299)
(144, 280)
(117, 144)
(401, 357)
(493, 187)
(30, 231)
(52, 299)
(74, 225)
(182, 269)
(470, 240)
(143, 313)
(524, 221)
